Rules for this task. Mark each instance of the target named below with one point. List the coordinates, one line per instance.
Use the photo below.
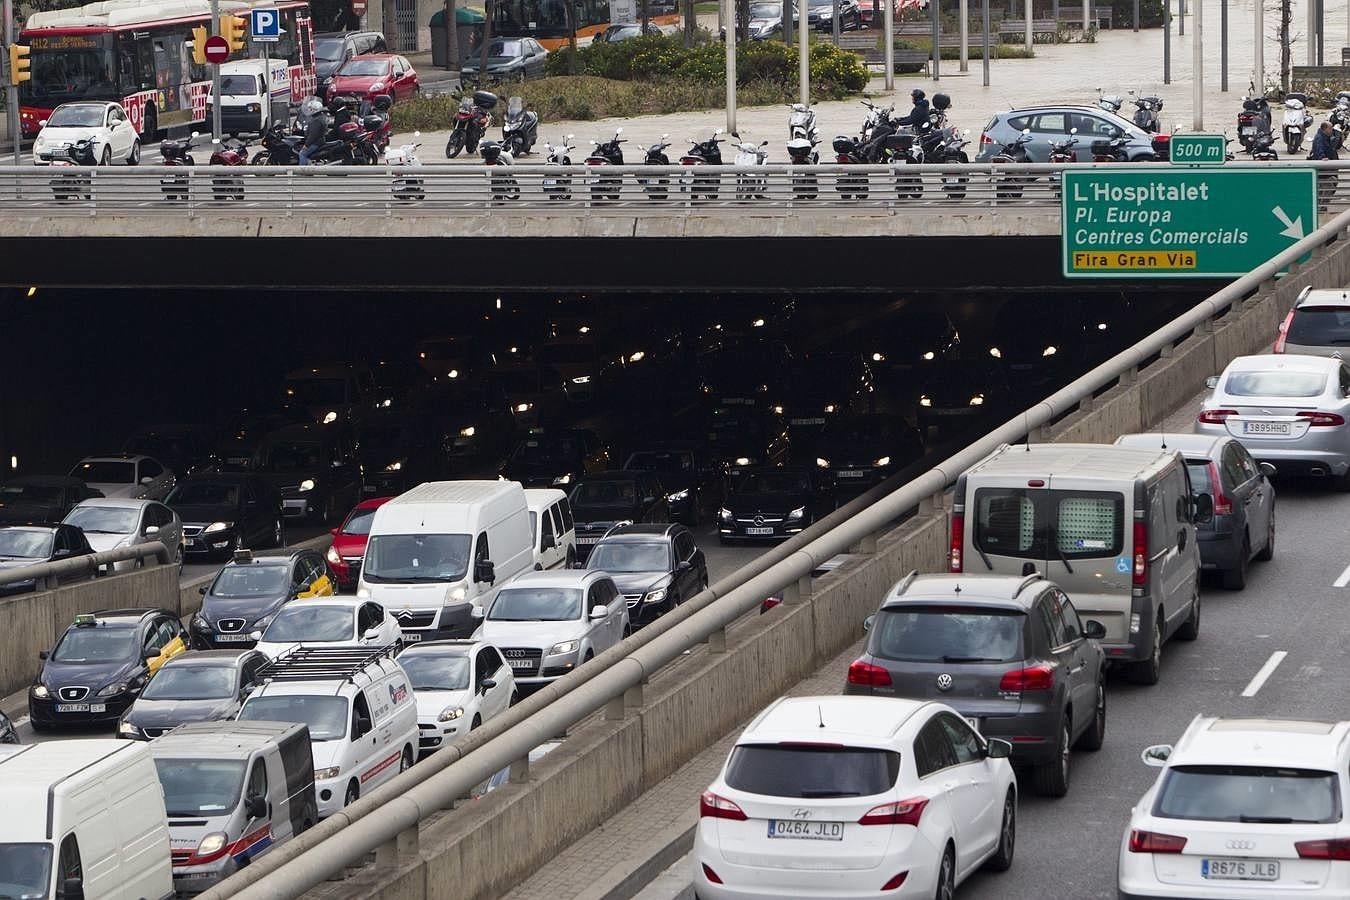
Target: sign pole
(804, 53)
(1167, 40)
(1258, 47)
(729, 18)
(1223, 45)
(267, 82)
(937, 39)
(888, 27)
(984, 39)
(12, 90)
(1198, 73)
(965, 35)
(215, 75)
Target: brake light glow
(985, 138)
(1222, 505)
(710, 874)
(895, 882)
(901, 812)
(1216, 416)
(842, 158)
(711, 806)
(1284, 333)
(1336, 848)
(867, 674)
(1155, 842)
(954, 562)
(1321, 419)
(1031, 678)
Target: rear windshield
(1036, 524)
(1199, 472)
(1322, 326)
(948, 634)
(798, 770)
(1249, 794)
(1276, 384)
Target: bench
(1071, 15)
(867, 45)
(1043, 31)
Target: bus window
(145, 71)
(77, 68)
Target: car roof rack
(319, 663)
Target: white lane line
(1343, 580)
(1260, 678)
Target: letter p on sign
(265, 25)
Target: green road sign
(1198, 149)
(1143, 221)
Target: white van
(249, 103)
(555, 534)
(233, 790)
(441, 551)
(83, 819)
(1113, 526)
(360, 710)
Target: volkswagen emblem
(1240, 845)
(944, 682)
(759, 520)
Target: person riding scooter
(918, 116)
(316, 131)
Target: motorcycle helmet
(311, 107)
(941, 101)
(916, 95)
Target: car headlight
(822, 462)
(450, 714)
(212, 843)
(582, 379)
(977, 400)
(724, 514)
(40, 691)
(678, 495)
(925, 400)
(563, 479)
(456, 594)
(797, 513)
(930, 355)
(524, 407)
(363, 593)
(655, 596)
(564, 647)
(215, 527)
(995, 353)
(742, 460)
(778, 410)
(377, 86)
(261, 624)
(1050, 351)
(324, 774)
(882, 461)
(128, 729)
(307, 485)
(112, 690)
(829, 407)
(199, 621)
(332, 556)
(330, 417)
(395, 466)
(468, 432)
(878, 357)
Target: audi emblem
(944, 682)
(1240, 845)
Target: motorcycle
(703, 154)
(1111, 150)
(902, 149)
(802, 123)
(230, 152)
(176, 153)
(1062, 152)
(1010, 187)
(1262, 148)
(877, 116)
(73, 185)
(1254, 120)
(606, 154)
(750, 154)
(279, 148)
(495, 156)
(657, 188)
(952, 150)
(520, 128)
(1146, 113)
(801, 152)
(406, 188)
(1109, 102)
(1340, 119)
(849, 151)
(470, 123)
(558, 187)
(1297, 121)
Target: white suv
(1242, 808)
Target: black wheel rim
(1064, 753)
(1008, 836)
(947, 888)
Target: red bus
(140, 54)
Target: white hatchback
(1243, 808)
(459, 685)
(331, 622)
(104, 123)
(855, 797)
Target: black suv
(768, 503)
(605, 499)
(655, 567)
(685, 473)
(249, 590)
(1010, 654)
(314, 468)
(555, 457)
(854, 452)
(226, 511)
(333, 48)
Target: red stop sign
(359, 7)
(217, 49)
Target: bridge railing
(770, 190)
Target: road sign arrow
(1292, 229)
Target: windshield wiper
(1064, 559)
(987, 564)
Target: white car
(105, 123)
(109, 524)
(847, 797)
(548, 623)
(1243, 808)
(459, 685)
(125, 477)
(331, 622)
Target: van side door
(1178, 555)
(69, 866)
(253, 839)
(550, 557)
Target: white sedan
(106, 124)
(109, 524)
(128, 476)
(855, 797)
(331, 622)
(459, 686)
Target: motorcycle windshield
(466, 105)
(800, 118)
(515, 108)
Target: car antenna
(820, 715)
(1026, 423)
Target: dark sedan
(685, 473)
(226, 511)
(856, 451)
(29, 545)
(769, 503)
(602, 500)
(655, 567)
(953, 390)
(313, 467)
(507, 58)
(249, 590)
(41, 498)
(822, 386)
(208, 686)
(555, 457)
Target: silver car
(111, 523)
(128, 475)
(1287, 410)
(1051, 124)
(1318, 325)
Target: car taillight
(901, 812)
(709, 874)
(1140, 575)
(1216, 416)
(954, 562)
(769, 603)
(712, 806)
(1321, 419)
(895, 882)
(867, 674)
(1031, 678)
(597, 162)
(841, 158)
(985, 138)
(1284, 333)
(1155, 842)
(1336, 848)
(1222, 505)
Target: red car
(372, 74)
(349, 542)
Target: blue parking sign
(265, 25)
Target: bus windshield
(545, 18)
(71, 67)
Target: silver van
(232, 790)
(1114, 527)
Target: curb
(660, 852)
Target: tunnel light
(930, 355)
(878, 357)
(995, 353)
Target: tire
(261, 158)
(454, 145)
(1052, 779)
(39, 727)
(1092, 739)
(1148, 671)
(1236, 579)
(1190, 629)
(106, 158)
(1291, 147)
(134, 158)
(1268, 551)
(353, 794)
(405, 762)
(571, 558)
(1002, 859)
(1342, 483)
(946, 883)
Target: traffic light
(232, 29)
(19, 63)
(199, 36)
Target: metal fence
(770, 190)
(48, 575)
(377, 820)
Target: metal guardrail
(48, 574)
(377, 820)
(769, 190)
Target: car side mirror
(42, 124)
(1094, 629)
(148, 479)
(43, 654)
(255, 636)
(73, 889)
(1267, 469)
(150, 656)
(599, 612)
(488, 684)
(363, 725)
(869, 622)
(150, 529)
(998, 749)
(484, 571)
(370, 634)
(256, 807)
(1212, 382)
(1204, 509)
(477, 612)
(684, 566)
(202, 590)
(61, 554)
(1157, 755)
(334, 531)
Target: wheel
(1147, 671)
(946, 882)
(1268, 551)
(1190, 629)
(1342, 483)
(353, 794)
(106, 158)
(405, 761)
(1236, 579)
(1092, 739)
(278, 536)
(1292, 147)
(1052, 779)
(454, 145)
(178, 558)
(39, 727)
(261, 158)
(134, 159)
(1002, 859)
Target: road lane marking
(1343, 580)
(1260, 678)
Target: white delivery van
(555, 534)
(83, 819)
(360, 710)
(1113, 526)
(249, 102)
(440, 551)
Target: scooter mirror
(569, 137)
(764, 143)
(716, 132)
(1073, 131)
(1026, 131)
(215, 140)
(664, 136)
(619, 130)
(193, 135)
(417, 134)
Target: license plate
(232, 638)
(759, 532)
(850, 473)
(1240, 869)
(1249, 129)
(806, 831)
(81, 707)
(813, 421)
(411, 637)
(588, 540)
(1265, 427)
(520, 663)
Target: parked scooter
(495, 156)
(848, 151)
(1111, 150)
(900, 150)
(657, 187)
(470, 122)
(230, 152)
(406, 188)
(1254, 120)
(559, 187)
(606, 155)
(176, 153)
(1010, 187)
(1340, 119)
(520, 128)
(749, 153)
(1146, 113)
(801, 152)
(1262, 148)
(802, 123)
(73, 185)
(877, 116)
(1109, 102)
(1062, 152)
(701, 155)
(1297, 121)
(952, 150)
